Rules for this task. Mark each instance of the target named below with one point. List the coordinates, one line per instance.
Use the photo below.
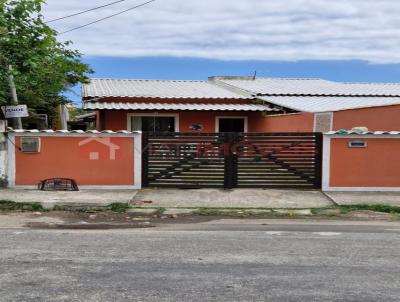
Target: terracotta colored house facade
(242, 104)
(175, 106)
(113, 156)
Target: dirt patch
(133, 218)
(366, 214)
(87, 226)
(110, 220)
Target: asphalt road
(230, 261)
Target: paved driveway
(238, 198)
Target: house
(242, 104)
(180, 106)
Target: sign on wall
(15, 111)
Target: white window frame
(174, 115)
(217, 118)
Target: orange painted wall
(207, 119)
(375, 119)
(63, 157)
(117, 119)
(378, 165)
(302, 122)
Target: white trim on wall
(246, 121)
(363, 136)
(71, 134)
(84, 187)
(362, 189)
(137, 160)
(326, 162)
(11, 160)
(174, 115)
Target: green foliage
(7, 205)
(43, 68)
(119, 207)
(370, 207)
(74, 112)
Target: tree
(43, 68)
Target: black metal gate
(231, 160)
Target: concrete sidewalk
(349, 198)
(83, 198)
(201, 198)
(238, 198)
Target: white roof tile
(55, 132)
(316, 87)
(341, 132)
(330, 103)
(175, 106)
(155, 89)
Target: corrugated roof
(50, 131)
(341, 132)
(156, 89)
(326, 104)
(316, 87)
(175, 106)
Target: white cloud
(238, 29)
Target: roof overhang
(161, 89)
(316, 104)
(176, 106)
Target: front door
(231, 124)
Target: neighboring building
(242, 104)
(320, 105)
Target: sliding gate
(232, 160)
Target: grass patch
(219, 212)
(370, 207)
(232, 212)
(8, 205)
(161, 211)
(345, 209)
(119, 207)
(333, 211)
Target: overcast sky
(238, 29)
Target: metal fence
(231, 160)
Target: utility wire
(85, 11)
(108, 17)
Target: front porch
(182, 121)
